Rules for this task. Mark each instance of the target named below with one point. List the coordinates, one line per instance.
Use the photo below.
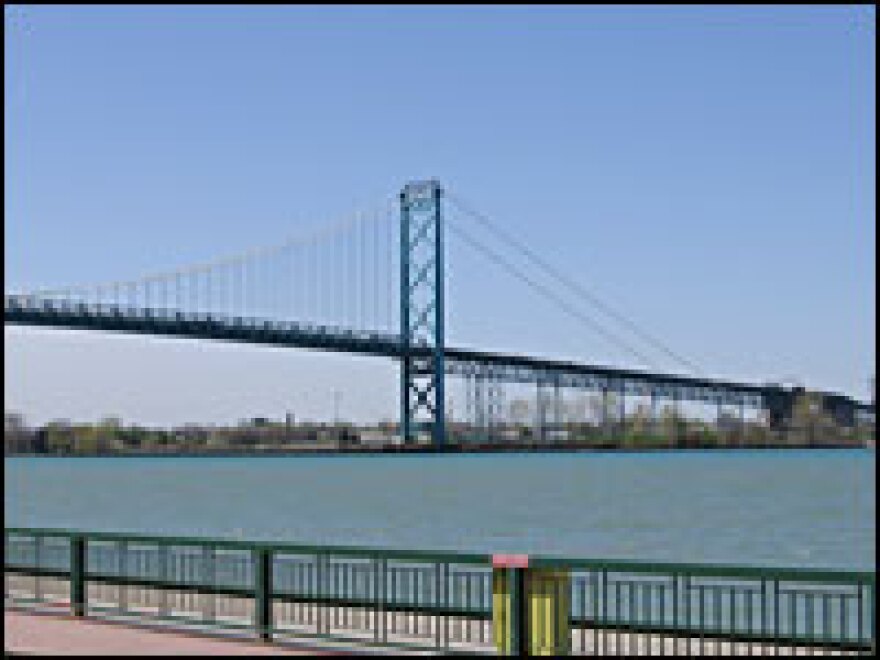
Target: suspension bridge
(375, 284)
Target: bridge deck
(20, 310)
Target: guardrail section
(630, 608)
(443, 602)
(423, 601)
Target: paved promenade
(60, 634)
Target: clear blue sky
(709, 171)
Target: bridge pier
(676, 428)
(557, 408)
(605, 434)
(480, 404)
(422, 313)
(495, 403)
(540, 412)
(653, 422)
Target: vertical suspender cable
(303, 287)
(355, 308)
(192, 292)
(376, 321)
(294, 282)
(316, 277)
(346, 291)
(389, 249)
(312, 297)
(364, 284)
(337, 280)
(235, 297)
(247, 283)
(272, 259)
(356, 243)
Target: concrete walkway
(60, 634)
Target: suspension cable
(549, 293)
(340, 226)
(571, 284)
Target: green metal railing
(360, 596)
(437, 601)
(632, 608)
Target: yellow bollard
(501, 630)
(549, 598)
(530, 607)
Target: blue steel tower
(422, 313)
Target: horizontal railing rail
(440, 601)
(831, 576)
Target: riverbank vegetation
(604, 428)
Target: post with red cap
(531, 606)
(509, 604)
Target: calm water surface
(806, 508)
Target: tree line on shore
(606, 427)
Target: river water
(789, 508)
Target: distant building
(374, 438)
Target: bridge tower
(422, 313)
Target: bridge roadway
(68, 314)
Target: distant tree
(59, 437)
(108, 435)
(640, 426)
(85, 439)
(810, 423)
(670, 423)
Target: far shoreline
(428, 450)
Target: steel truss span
(33, 311)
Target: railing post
(263, 592)
(78, 568)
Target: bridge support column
(540, 412)
(422, 313)
(605, 437)
(480, 404)
(557, 410)
(676, 421)
(653, 423)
